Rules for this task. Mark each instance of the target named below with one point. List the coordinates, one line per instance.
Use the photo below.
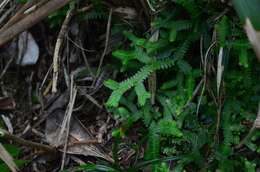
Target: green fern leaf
(169, 128)
(134, 39)
(114, 98)
(95, 15)
(113, 85)
(183, 49)
(243, 58)
(129, 83)
(124, 56)
(153, 149)
(139, 77)
(222, 30)
(142, 56)
(147, 116)
(190, 85)
(190, 6)
(184, 66)
(152, 47)
(173, 35)
(180, 25)
(142, 94)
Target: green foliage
(96, 13)
(135, 81)
(222, 29)
(182, 120)
(56, 18)
(181, 125)
(142, 94)
(191, 7)
(249, 166)
(153, 150)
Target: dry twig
(3, 4)
(65, 127)
(6, 135)
(6, 14)
(58, 48)
(205, 62)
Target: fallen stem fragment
(86, 142)
(58, 48)
(8, 136)
(67, 119)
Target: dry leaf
(78, 133)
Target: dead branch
(8, 136)
(30, 20)
(19, 14)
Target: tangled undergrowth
(184, 83)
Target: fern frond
(144, 73)
(169, 128)
(243, 58)
(227, 123)
(146, 115)
(180, 25)
(190, 6)
(222, 30)
(153, 148)
(138, 78)
(142, 94)
(142, 56)
(113, 85)
(164, 64)
(183, 49)
(96, 14)
(134, 39)
(228, 136)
